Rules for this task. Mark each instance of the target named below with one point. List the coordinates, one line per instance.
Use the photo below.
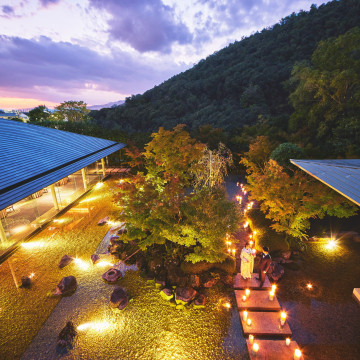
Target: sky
(100, 51)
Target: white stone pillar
(53, 193)
(103, 166)
(84, 178)
(3, 237)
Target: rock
(122, 231)
(194, 281)
(94, 258)
(184, 295)
(155, 264)
(66, 286)
(166, 294)
(200, 301)
(112, 275)
(286, 255)
(119, 298)
(103, 221)
(149, 276)
(175, 276)
(66, 336)
(65, 260)
(141, 262)
(25, 282)
(277, 273)
(160, 280)
(114, 249)
(279, 260)
(228, 280)
(208, 281)
(115, 240)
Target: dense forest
(251, 88)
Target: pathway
(260, 314)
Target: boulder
(277, 273)
(208, 281)
(184, 295)
(155, 264)
(25, 282)
(112, 276)
(66, 286)
(94, 258)
(286, 255)
(228, 280)
(65, 260)
(166, 294)
(114, 249)
(103, 221)
(66, 336)
(194, 281)
(200, 301)
(141, 262)
(115, 240)
(122, 231)
(149, 276)
(160, 280)
(175, 276)
(119, 298)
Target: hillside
(239, 85)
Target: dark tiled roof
(341, 175)
(33, 157)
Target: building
(43, 170)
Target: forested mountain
(246, 83)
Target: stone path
(260, 316)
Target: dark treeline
(243, 90)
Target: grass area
(76, 233)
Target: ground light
(332, 244)
(95, 325)
(81, 264)
(99, 185)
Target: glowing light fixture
(255, 347)
(309, 286)
(81, 264)
(99, 185)
(297, 354)
(95, 325)
(332, 244)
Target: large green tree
(159, 207)
(72, 111)
(289, 197)
(40, 113)
(327, 97)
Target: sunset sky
(100, 51)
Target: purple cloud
(29, 68)
(7, 9)
(146, 25)
(46, 3)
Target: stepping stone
(265, 324)
(273, 350)
(258, 300)
(356, 294)
(240, 283)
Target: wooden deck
(273, 350)
(258, 300)
(240, 283)
(265, 324)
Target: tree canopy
(72, 111)
(287, 196)
(159, 207)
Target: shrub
(228, 265)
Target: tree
(72, 111)
(212, 167)
(290, 198)
(286, 151)
(160, 208)
(40, 113)
(327, 97)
